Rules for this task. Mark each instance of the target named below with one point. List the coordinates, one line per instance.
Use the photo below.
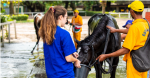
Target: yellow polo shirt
(78, 19)
(136, 36)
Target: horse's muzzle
(82, 72)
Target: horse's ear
(76, 41)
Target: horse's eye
(85, 49)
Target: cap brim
(124, 26)
(129, 6)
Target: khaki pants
(77, 36)
(132, 72)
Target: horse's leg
(115, 63)
(37, 36)
(38, 43)
(36, 31)
(98, 72)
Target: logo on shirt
(144, 33)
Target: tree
(72, 5)
(11, 8)
(104, 4)
(66, 4)
(33, 5)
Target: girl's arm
(70, 58)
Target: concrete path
(16, 59)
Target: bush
(19, 17)
(114, 15)
(88, 13)
(3, 19)
(3, 11)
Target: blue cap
(128, 22)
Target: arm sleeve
(67, 44)
(72, 20)
(80, 21)
(131, 38)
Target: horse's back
(95, 19)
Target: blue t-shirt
(55, 62)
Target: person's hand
(101, 57)
(73, 23)
(68, 22)
(77, 64)
(75, 54)
(112, 30)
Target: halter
(96, 61)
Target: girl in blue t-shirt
(58, 45)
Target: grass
(121, 16)
(25, 21)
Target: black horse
(37, 20)
(92, 46)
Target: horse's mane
(101, 27)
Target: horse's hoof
(37, 49)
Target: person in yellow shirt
(136, 38)
(77, 26)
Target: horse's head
(84, 52)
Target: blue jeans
(148, 74)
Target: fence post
(15, 29)
(9, 32)
(2, 37)
(129, 15)
(32, 14)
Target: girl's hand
(77, 64)
(75, 54)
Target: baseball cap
(128, 22)
(76, 11)
(137, 6)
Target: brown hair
(48, 23)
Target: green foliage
(3, 11)
(26, 21)
(6, 34)
(88, 4)
(52, 3)
(3, 18)
(114, 10)
(114, 15)
(20, 17)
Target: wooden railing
(119, 13)
(2, 26)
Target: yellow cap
(137, 6)
(76, 11)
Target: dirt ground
(26, 31)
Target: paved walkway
(26, 31)
(16, 59)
